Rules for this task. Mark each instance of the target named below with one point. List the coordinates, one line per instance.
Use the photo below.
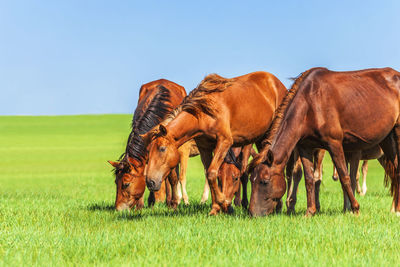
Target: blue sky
(85, 57)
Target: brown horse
(218, 114)
(232, 174)
(156, 100)
(336, 111)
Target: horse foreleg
(293, 176)
(238, 200)
(218, 198)
(140, 203)
(184, 157)
(174, 181)
(354, 161)
(306, 156)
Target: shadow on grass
(101, 207)
(194, 209)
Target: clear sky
(85, 57)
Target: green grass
(56, 207)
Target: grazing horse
(218, 113)
(156, 100)
(231, 175)
(336, 111)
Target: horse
(156, 100)
(231, 175)
(336, 111)
(218, 113)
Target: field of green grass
(56, 208)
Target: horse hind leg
(338, 157)
(389, 163)
(206, 192)
(318, 158)
(364, 170)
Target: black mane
(144, 120)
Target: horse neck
(288, 134)
(184, 127)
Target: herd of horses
(353, 115)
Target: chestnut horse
(156, 100)
(336, 111)
(218, 113)
(231, 175)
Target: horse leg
(246, 152)
(364, 170)
(182, 178)
(306, 156)
(218, 198)
(318, 158)
(174, 181)
(397, 188)
(390, 164)
(335, 175)
(151, 199)
(206, 191)
(337, 154)
(140, 203)
(293, 176)
(238, 200)
(354, 161)
(243, 180)
(168, 193)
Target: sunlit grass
(56, 207)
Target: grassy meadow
(56, 208)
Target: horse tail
(390, 174)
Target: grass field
(56, 208)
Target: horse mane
(144, 120)
(277, 121)
(197, 101)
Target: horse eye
(163, 148)
(125, 185)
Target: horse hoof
(215, 209)
(310, 212)
(398, 213)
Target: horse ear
(114, 163)
(163, 130)
(270, 158)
